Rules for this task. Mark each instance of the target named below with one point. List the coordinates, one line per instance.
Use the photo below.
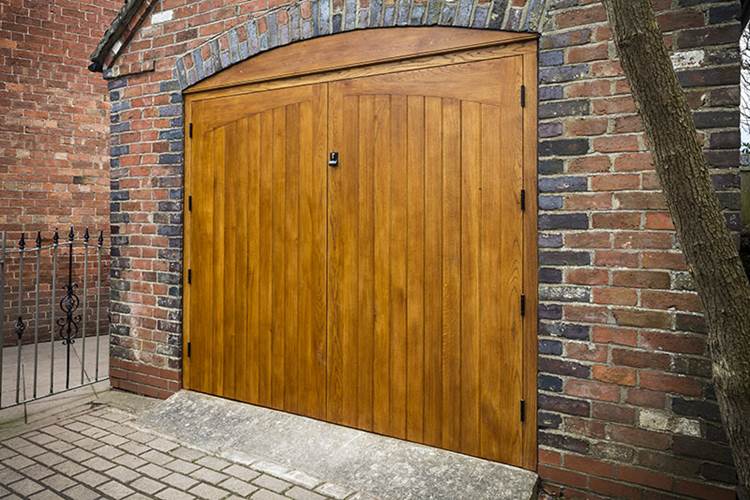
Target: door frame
(388, 50)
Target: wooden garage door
(382, 292)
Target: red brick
(641, 279)
(615, 182)
(592, 390)
(622, 336)
(614, 375)
(640, 359)
(615, 296)
(670, 383)
(639, 437)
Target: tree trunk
(709, 248)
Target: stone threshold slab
(378, 466)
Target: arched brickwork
(306, 20)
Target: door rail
(51, 291)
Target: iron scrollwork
(70, 302)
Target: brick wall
(54, 124)
(626, 404)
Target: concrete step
(374, 465)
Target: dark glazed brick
(563, 147)
(563, 442)
(565, 405)
(564, 258)
(553, 347)
(696, 408)
(563, 367)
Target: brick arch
(312, 18)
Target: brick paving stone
(179, 465)
(49, 458)
(80, 492)
(41, 439)
(8, 475)
(180, 481)
(270, 468)
(208, 492)
(38, 472)
(115, 489)
(123, 474)
(18, 462)
(6, 452)
(267, 495)
(16, 442)
(147, 485)
(335, 491)
(59, 446)
(188, 454)
(129, 460)
(31, 450)
(108, 451)
(138, 496)
(58, 482)
(98, 464)
(155, 471)
(87, 444)
(214, 463)
(162, 444)
(91, 478)
(113, 439)
(237, 486)
(207, 475)
(26, 487)
(45, 495)
(134, 448)
(241, 472)
(78, 455)
(173, 494)
(141, 437)
(299, 493)
(157, 457)
(272, 483)
(68, 468)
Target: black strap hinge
(190, 203)
(190, 130)
(523, 96)
(523, 305)
(190, 276)
(189, 349)
(523, 410)
(523, 199)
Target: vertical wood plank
(265, 238)
(415, 180)
(398, 265)
(382, 200)
(218, 326)
(451, 274)
(254, 244)
(278, 318)
(291, 260)
(366, 255)
(433, 280)
(471, 219)
(490, 293)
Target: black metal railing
(46, 298)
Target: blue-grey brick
(579, 107)
(565, 184)
(119, 150)
(547, 240)
(170, 159)
(564, 258)
(565, 330)
(550, 92)
(563, 147)
(549, 383)
(553, 129)
(565, 293)
(550, 166)
(549, 311)
(551, 347)
(563, 221)
(550, 202)
(551, 58)
(550, 275)
(557, 74)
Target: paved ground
(95, 451)
(52, 367)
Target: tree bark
(709, 247)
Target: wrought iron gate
(46, 292)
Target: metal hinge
(189, 349)
(523, 408)
(523, 305)
(190, 203)
(523, 199)
(190, 276)
(190, 131)
(523, 96)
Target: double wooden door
(381, 290)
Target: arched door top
(309, 20)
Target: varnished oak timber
(383, 293)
